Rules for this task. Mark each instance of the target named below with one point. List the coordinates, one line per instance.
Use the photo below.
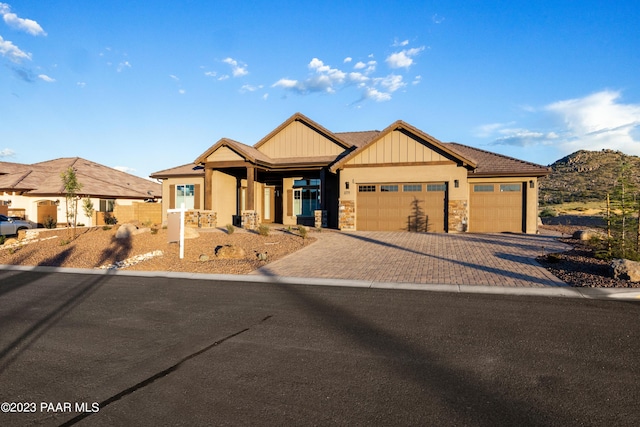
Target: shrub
(106, 227)
(548, 212)
(49, 222)
(109, 219)
(264, 230)
(154, 230)
(2, 239)
(230, 228)
(303, 231)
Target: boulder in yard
(588, 234)
(625, 269)
(230, 252)
(191, 233)
(125, 231)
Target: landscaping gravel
(96, 248)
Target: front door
(268, 204)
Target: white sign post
(182, 210)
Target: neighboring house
(399, 178)
(36, 191)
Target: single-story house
(399, 178)
(36, 191)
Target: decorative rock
(625, 269)
(587, 234)
(203, 258)
(230, 252)
(262, 256)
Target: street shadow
(495, 270)
(118, 250)
(464, 393)
(25, 340)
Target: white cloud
(416, 80)
(28, 25)
(210, 73)
(265, 96)
(81, 84)
(347, 59)
(250, 88)
(12, 52)
(237, 69)
(46, 78)
(123, 65)
(437, 19)
(7, 152)
(396, 43)
(593, 122)
(404, 58)
(174, 77)
(323, 78)
(182, 91)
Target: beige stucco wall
(298, 140)
(186, 180)
(532, 197)
(223, 196)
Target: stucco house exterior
(396, 179)
(35, 191)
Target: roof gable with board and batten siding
(301, 137)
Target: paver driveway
(400, 257)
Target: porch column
(208, 183)
(251, 173)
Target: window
(306, 196)
(407, 188)
(366, 188)
(436, 187)
(483, 188)
(389, 188)
(509, 187)
(185, 194)
(107, 205)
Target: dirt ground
(96, 247)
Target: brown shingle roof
(494, 164)
(97, 180)
(190, 169)
(358, 138)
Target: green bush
(303, 231)
(230, 228)
(264, 230)
(109, 219)
(548, 212)
(2, 239)
(49, 222)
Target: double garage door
(401, 206)
(497, 207)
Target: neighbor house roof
(494, 164)
(190, 169)
(97, 180)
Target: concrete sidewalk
(400, 257)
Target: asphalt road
(116, 350)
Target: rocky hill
(586, 176)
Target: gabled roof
(249, 153)
(402, 126)
(190, 169)
(310, 123)
(97, 180)
(358, 139)
(493, 164)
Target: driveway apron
(401, 257)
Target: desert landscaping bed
(97, 247)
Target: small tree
(87, 207)
(71, 188)
(622, 222)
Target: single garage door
(401, 207)
(496, 207)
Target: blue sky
(145, 86)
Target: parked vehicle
(11, 226)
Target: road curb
(627, 294)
